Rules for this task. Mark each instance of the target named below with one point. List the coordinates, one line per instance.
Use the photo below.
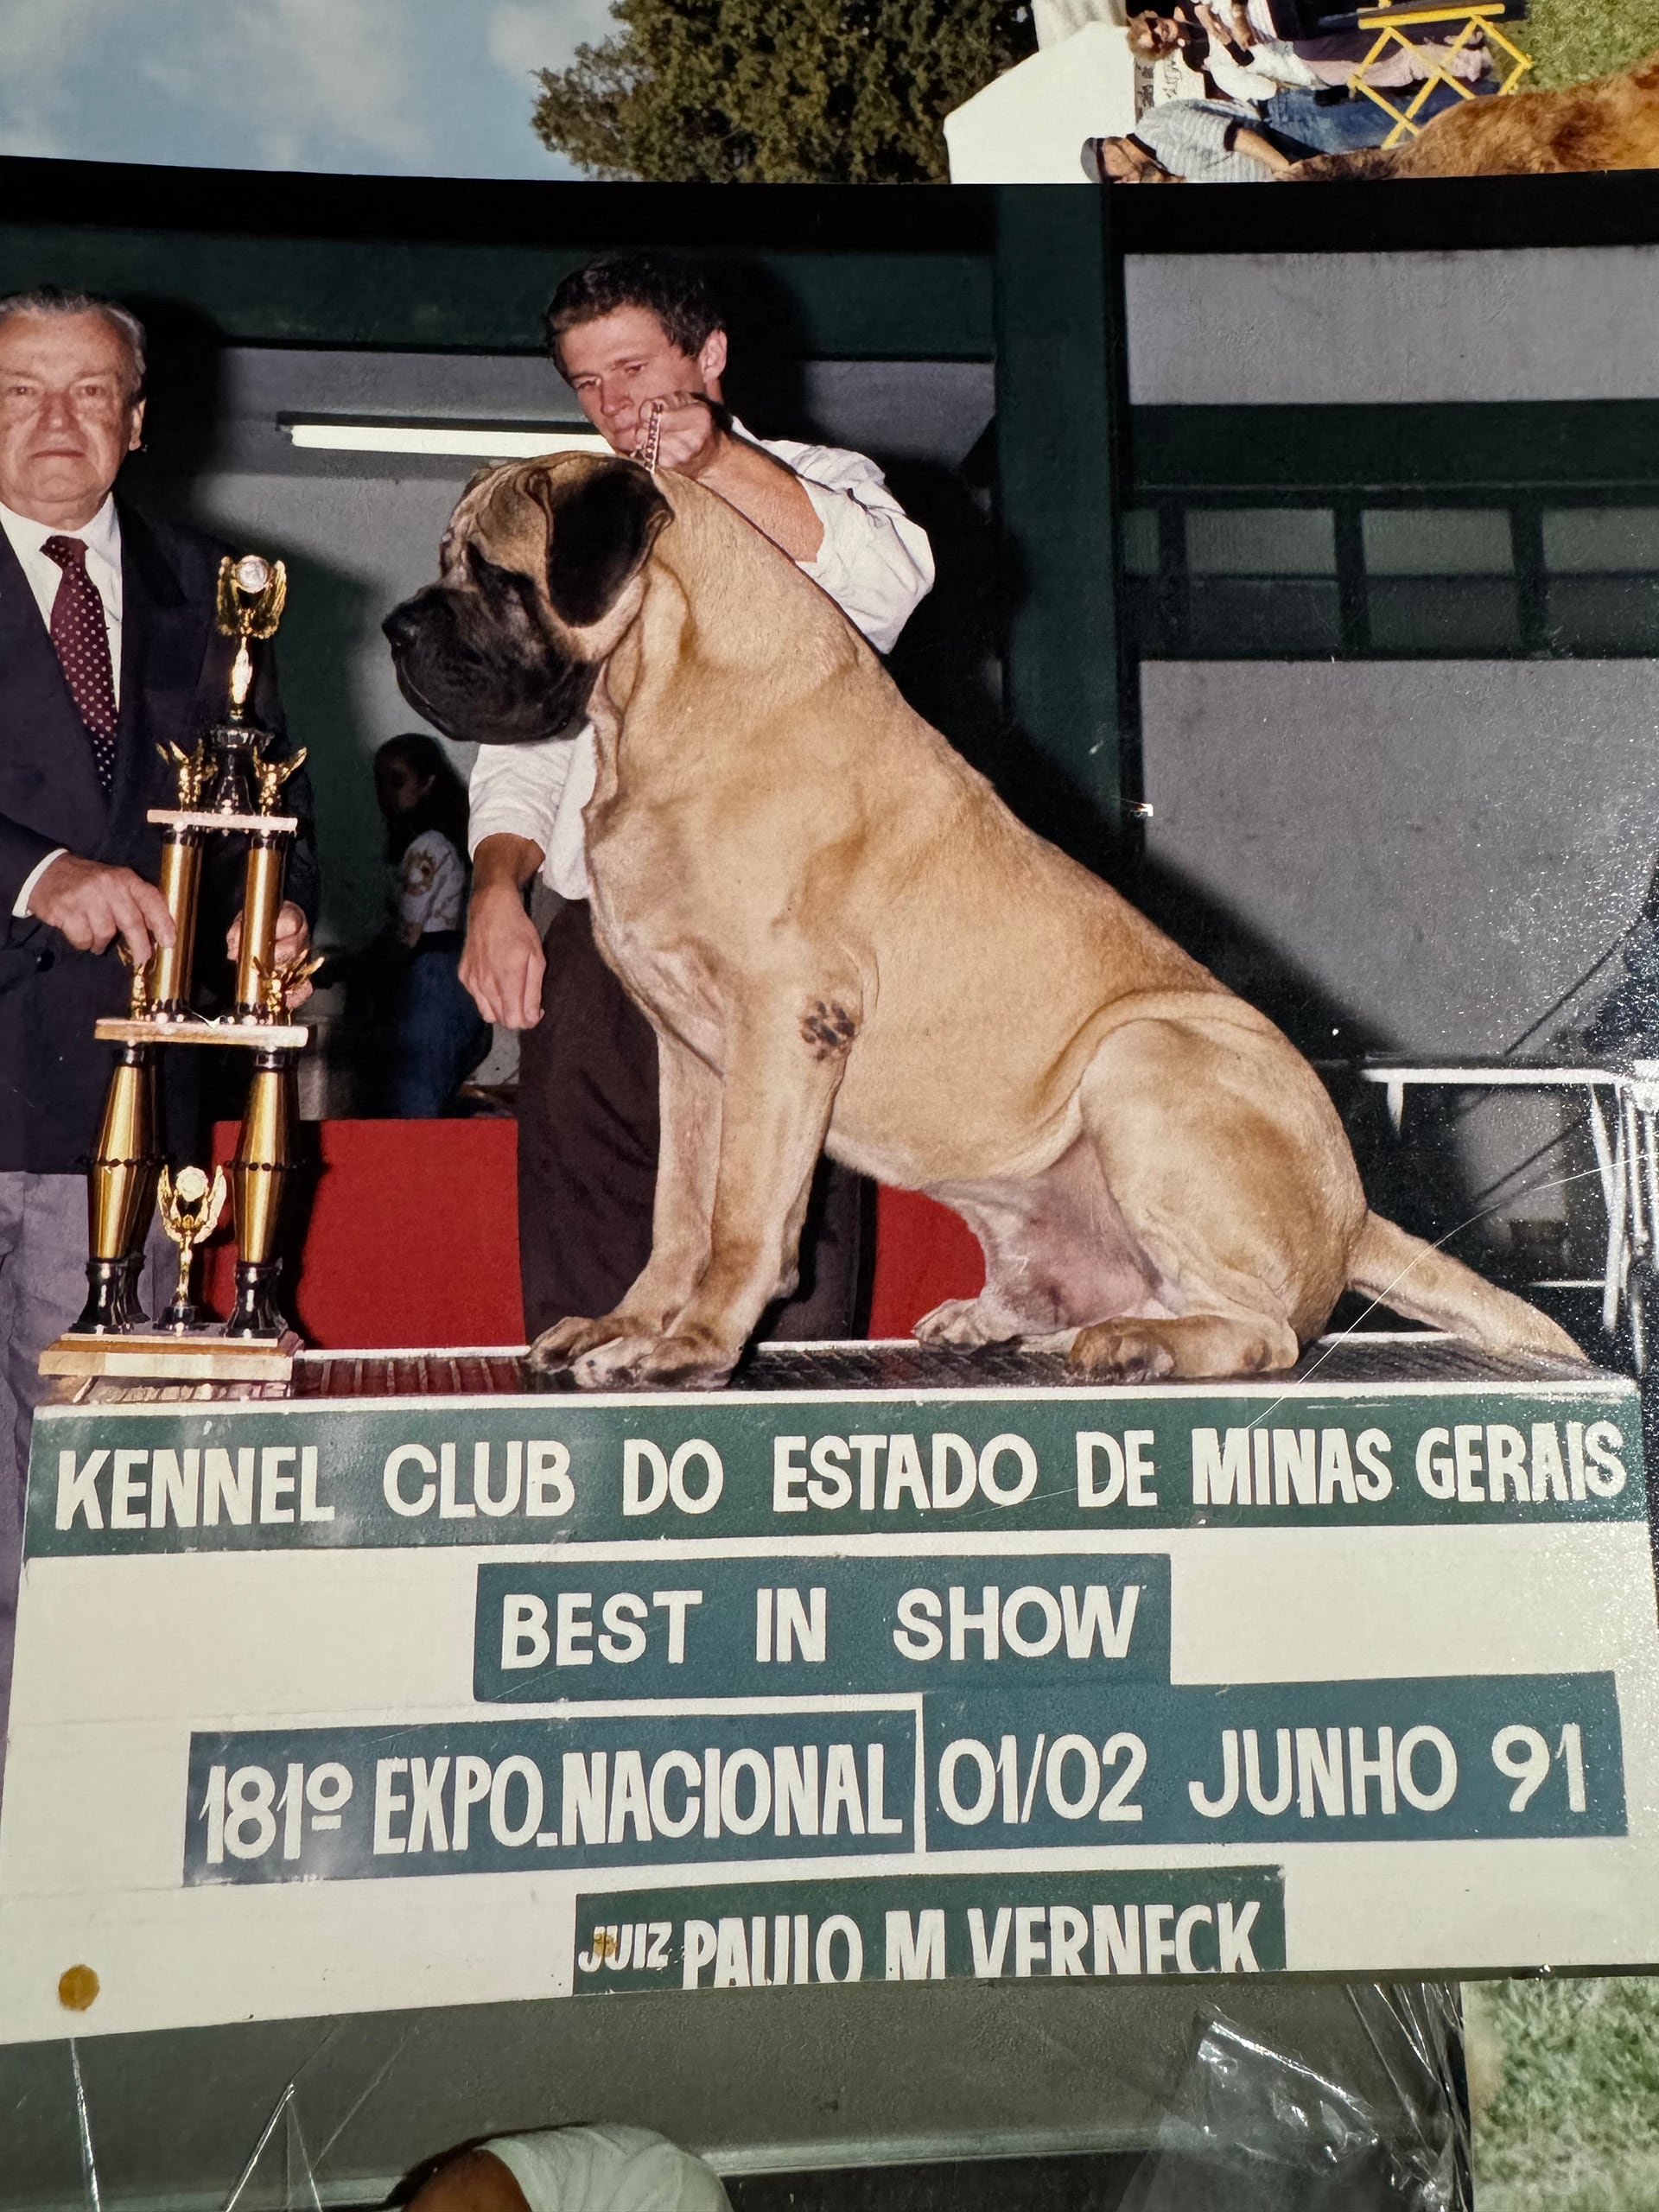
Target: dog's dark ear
(600, 530)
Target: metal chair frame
(1475, 17)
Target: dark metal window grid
(1530, 610)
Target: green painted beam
(419, 264)
(1059, 334)
(427, 295)
(1284, 453)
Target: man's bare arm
(692, 439)
(502, 963)
(1258, 149)
(771, 496)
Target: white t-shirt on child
(607, 2168)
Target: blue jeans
(439, 1037)
(1348, 125)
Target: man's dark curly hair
(672, 290)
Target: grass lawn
(1565, 2077)
(1570, 39)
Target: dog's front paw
(617, 1363)
(690, 1361)
(564, 1345)
(678, 1363)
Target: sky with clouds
(389, 87)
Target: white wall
(1439, 848)
(1442, 847)
(1543, 323)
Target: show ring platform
(412, 1688)
(1242, 1677)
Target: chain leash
(646, 451)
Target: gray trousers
(42, 1288)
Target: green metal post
(1061, 416)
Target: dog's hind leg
(1056, 1253)
(687, 1161)
(1190, 1345)
(1232, 1175)
(967, 1323)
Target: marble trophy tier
(230, 785)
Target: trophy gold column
(121, 1190)
(229, 785)
(258, 1172)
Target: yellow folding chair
(1393, 26)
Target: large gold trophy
(227, 786)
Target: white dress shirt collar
(101, 535)
(102, 538)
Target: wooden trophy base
(198, 1357)
(261, 1036)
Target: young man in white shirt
(634, 335)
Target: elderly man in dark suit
(108, 650)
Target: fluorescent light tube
(466, 440)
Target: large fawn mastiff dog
(1611, 123)
(843, 938)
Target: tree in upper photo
(776, 91)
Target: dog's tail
(1427, 1285)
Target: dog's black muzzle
(484, 676)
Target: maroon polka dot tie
(82, 644)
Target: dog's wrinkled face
(505, 647)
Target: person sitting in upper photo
(1193, 142)
(1301, 23)
(1299, 88)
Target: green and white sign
(335, 1706)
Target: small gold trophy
(190, 1209)
(230, 784)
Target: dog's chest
(662, 966)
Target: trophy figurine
(229, 783)
(190, 1208)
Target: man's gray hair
(51, 299)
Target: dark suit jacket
(174, 683)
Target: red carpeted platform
(407, 1237)
(408, 1234)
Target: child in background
(601, 2168)
(434, 1035)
